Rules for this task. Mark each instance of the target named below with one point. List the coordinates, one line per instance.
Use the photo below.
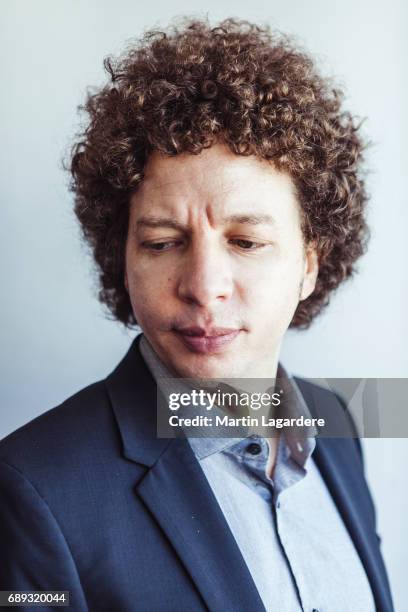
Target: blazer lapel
(338, 460)
(177, 493)
(332, 457)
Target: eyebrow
(160, 222)
(149, 221)
(251, 219)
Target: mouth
(206, 341)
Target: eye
(160, 246)
(246, 245)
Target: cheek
(272, 277)
(149, 291)
(271, 292)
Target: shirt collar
(299, 447)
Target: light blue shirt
(288, 528)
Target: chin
(211, 368)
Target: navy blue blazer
(93, 503)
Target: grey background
(55, 337)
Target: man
(218, 183)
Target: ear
(310, 271)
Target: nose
(206, 276)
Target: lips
(210, 332)
(207, 340)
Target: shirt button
(253, 449)
(315, 610)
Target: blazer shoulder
(69, 429)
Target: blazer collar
(132, 392)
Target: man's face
(215, 262)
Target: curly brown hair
(183, 90)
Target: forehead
(217, 180)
